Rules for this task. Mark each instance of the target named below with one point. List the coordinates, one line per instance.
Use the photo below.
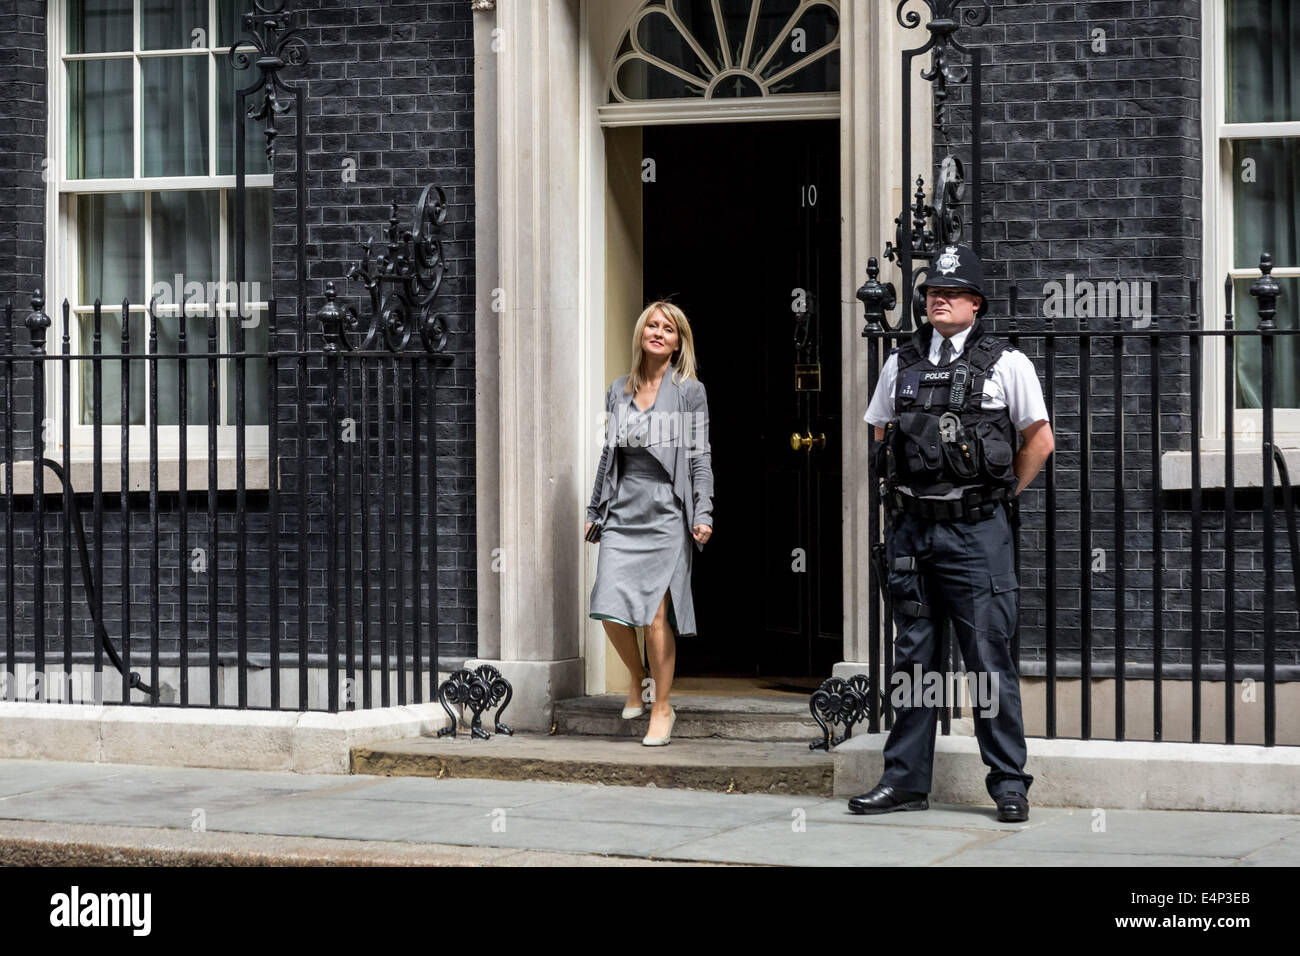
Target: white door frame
(871, 198)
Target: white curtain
(1263, 86)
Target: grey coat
(679, 439)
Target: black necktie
(945, 352)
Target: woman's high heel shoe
(631, 713)
(649, 741)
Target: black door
(742, 230)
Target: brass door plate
(808, 378)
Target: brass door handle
(807, 442)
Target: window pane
(196, 343)
(186, 246)
(1263, 61)
(657, 34)
(255, 371)
(99, 26)
(111, 328)
(173, 24)
(110, 241)
(756, 38)
(1286, 348)
(1266, 201)
(819, 26)
(99, 119)
(639, 80)
(255, 162)
(174, 140)
(257, 243)
(230, 17)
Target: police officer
(946, 412)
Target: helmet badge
(948, 262)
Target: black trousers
(964, 572)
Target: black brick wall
(388, 86)
(1092, 168)
(22, 169)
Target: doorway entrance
(741, 228)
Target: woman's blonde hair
(683, 360)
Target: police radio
(960, 381)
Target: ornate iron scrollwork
(403, 282)
(923, 227)
(844, 702)
(276, 44)
(480, 689)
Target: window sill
(256, 475)
(1247, 467)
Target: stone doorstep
(310, 742)
(787, 767)
(698, 716)
(1140, 775)
(754, 717)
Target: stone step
(718, 717)
(731, 766)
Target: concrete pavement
(105, 813)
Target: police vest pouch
(963, 458)
(997, 457)
(922, 446)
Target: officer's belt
(977, 504)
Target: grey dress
(645, 546)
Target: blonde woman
(653, 495)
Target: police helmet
(957, 267)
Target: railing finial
(877, 298)
(1266, 290)
(38, 322)
(331, 319)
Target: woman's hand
(702, 533)
(586, 530)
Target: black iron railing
(1157, 348)
(356, 519)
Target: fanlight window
(714, 49)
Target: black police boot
(1013, 807)
(885, 799)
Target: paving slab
(1192, 833)
(513, 829)
(987, 856)
(785, 843)
(137, 815)
(945, 816)
(30, 776)
(1285, 852)
(661, 807)
(25, 843)
(351, 819)
(474, 792)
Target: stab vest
(942, 439)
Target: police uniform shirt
(1012, 383)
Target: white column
(870, 148)
(530, 525)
